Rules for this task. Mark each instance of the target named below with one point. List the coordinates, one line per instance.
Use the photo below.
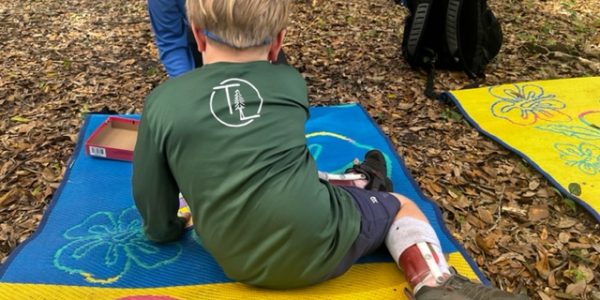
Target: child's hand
(184, 212)
(188, 218)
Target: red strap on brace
(343, 182)
(414, 265)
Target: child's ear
(276, 45)
(200, 38)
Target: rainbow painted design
(94, 248)
(553, 124)
(526, 104)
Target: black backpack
(450, 34)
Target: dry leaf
(20, 119)
(543, 296)
(8, 198)
(348, 51)
(564, 237)
(577, 288)
(487, 242)
(534, 185)
(542, 265)
(566, 222)
(587, 273)
(538, 212)
(485, 215)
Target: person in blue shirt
(177, 47)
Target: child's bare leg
(409, 209)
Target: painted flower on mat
(586, 156)
(104, 247)
(526, 104)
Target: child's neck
(219, 53)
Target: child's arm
(154, 189)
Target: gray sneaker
(458, 287)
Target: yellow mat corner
(554, 124)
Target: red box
(114, 139)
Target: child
(230, 137)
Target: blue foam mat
(91, 233)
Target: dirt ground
(62, 59)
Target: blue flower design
(586, 156)
(102, 249)
(526, 104)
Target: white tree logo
(252, 102)
(239, 104)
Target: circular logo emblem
(235, 102)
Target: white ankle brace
(408, 231)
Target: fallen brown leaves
(63, 59)
(59, 61)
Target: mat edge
(46, 215)
(555, 183)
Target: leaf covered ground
(63, 59)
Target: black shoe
(375, 171)
(458, 287)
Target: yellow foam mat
(554, 124)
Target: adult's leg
(194, 49)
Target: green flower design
(526, 104)
(586, 157)
(102, 249)
(575, 131)
(589, 129)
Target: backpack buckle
(430, 57)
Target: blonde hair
(240, 23)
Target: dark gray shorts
(378, 211)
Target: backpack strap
(416, 53)
(452, 38)
(453, 31)
(417, 30)
(429, 91)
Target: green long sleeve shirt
(230, 137)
